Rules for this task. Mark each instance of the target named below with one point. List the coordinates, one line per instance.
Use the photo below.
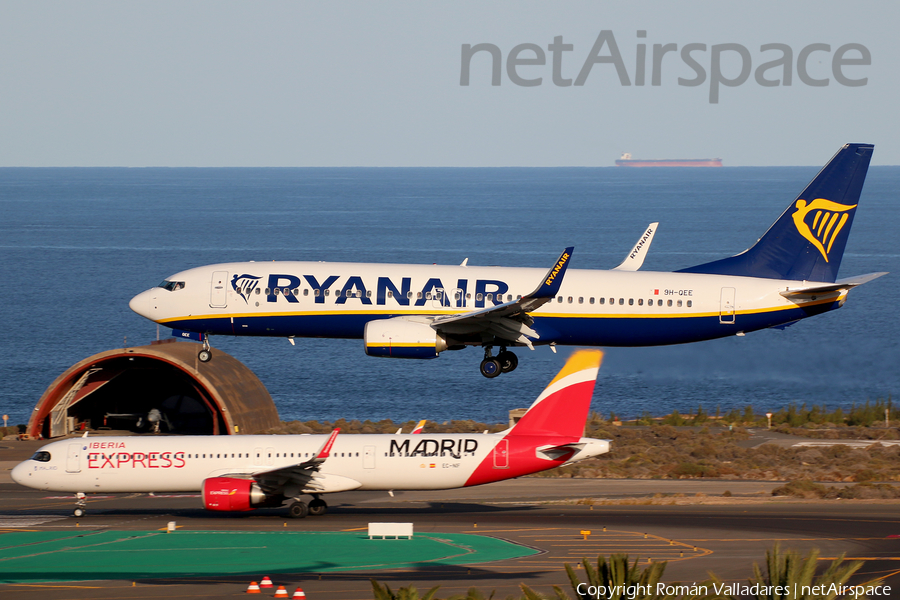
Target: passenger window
(276, 291)
(580, 300)
(679, 303)
(621, 301)
(519, 297)
(368, 293)
(640, 301)
(631, 302)
(592, 300)
(690, 303)
(612, 300)
(305, 292)
(659, 302)
(669, 303)
(258, 291)
(418, 294)
(602, 300)
(409, 294)
(509, 297)
(489, 297)
(559, 299)
(469, 296)
(327, 291)
(478, 297)
(570, 299)
(268, 291)
(390, 294)
(317, 292)
(428, 295)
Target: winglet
(563, 406)
(325, 451)
(636, 257)
(554, 278)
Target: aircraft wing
(840, 284)
(636, 257)
(510, 320)
(302, 474)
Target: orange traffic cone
(299, 595)
(266, 582)
(281, 592)
(253, 588)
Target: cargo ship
(627, 161)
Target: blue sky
(378, 83)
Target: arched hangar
(162, 388)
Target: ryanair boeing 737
(419, 311)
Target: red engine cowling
(231, 494)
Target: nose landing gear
(205, 355)
(80, 505)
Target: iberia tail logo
(820, 222)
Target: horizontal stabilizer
(841, 284)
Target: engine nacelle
(231, 494)
(403, 338)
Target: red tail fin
(563, 406)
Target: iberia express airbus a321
(244, 472)
(419, 311)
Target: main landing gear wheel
(490, 367)
(317, 507)
(298, 510)
(508, 361)
(78, 512)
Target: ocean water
(77, 244)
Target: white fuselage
(182, 463)
(594, 308)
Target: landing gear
(298, 510)
(80, 505)
(504, 362)
(317, 507)
(205, 355)
(508, 360)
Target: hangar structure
(160, 388)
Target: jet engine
(403, 338)
(231, 494)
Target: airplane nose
(141, 304)
(20, 473)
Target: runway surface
(541, 513)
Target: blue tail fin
(807, 242)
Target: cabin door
(217, 291)
(369, 457)
(726, 306)
(73, 459)
(501, 454)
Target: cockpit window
(41, 456)
(172, 286)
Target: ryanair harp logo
(820, 222)
(244, 285)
